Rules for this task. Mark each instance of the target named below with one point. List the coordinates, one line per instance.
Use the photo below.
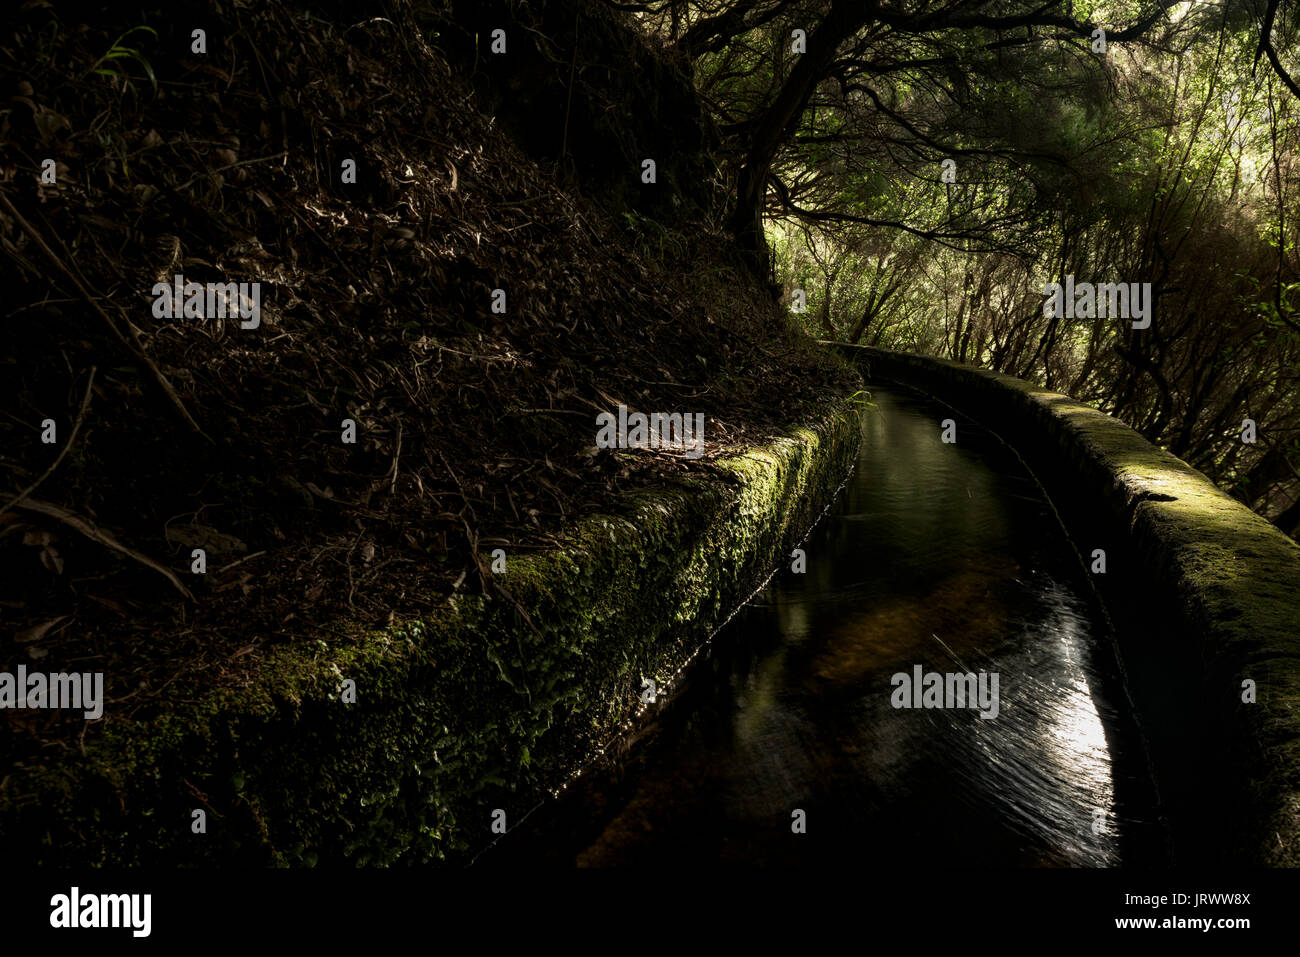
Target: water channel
(946, 557)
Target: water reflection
(940, 556)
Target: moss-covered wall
(1231, 579)
(472, 709)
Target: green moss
(461, 712)
(1233, 578)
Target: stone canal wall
(480, 706)
(1229, 579)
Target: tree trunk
(746, 224)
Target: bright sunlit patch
(1073, 736)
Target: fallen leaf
(36, 632)
(326, 493)
(116, 606)
(209, 539)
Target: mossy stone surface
(474, 708)
(1233, 577)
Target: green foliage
(1170, 159)
(112, 63)
(654, 240)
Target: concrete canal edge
(482, 705)
(1232, 576)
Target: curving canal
(827, 721)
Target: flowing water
(782, 744)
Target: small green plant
(862, 399)
(108, 65)
(652, 240)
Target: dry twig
(96, 534)
(133, 345)
(76, 426)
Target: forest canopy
(915, 174)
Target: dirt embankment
(226, 156)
